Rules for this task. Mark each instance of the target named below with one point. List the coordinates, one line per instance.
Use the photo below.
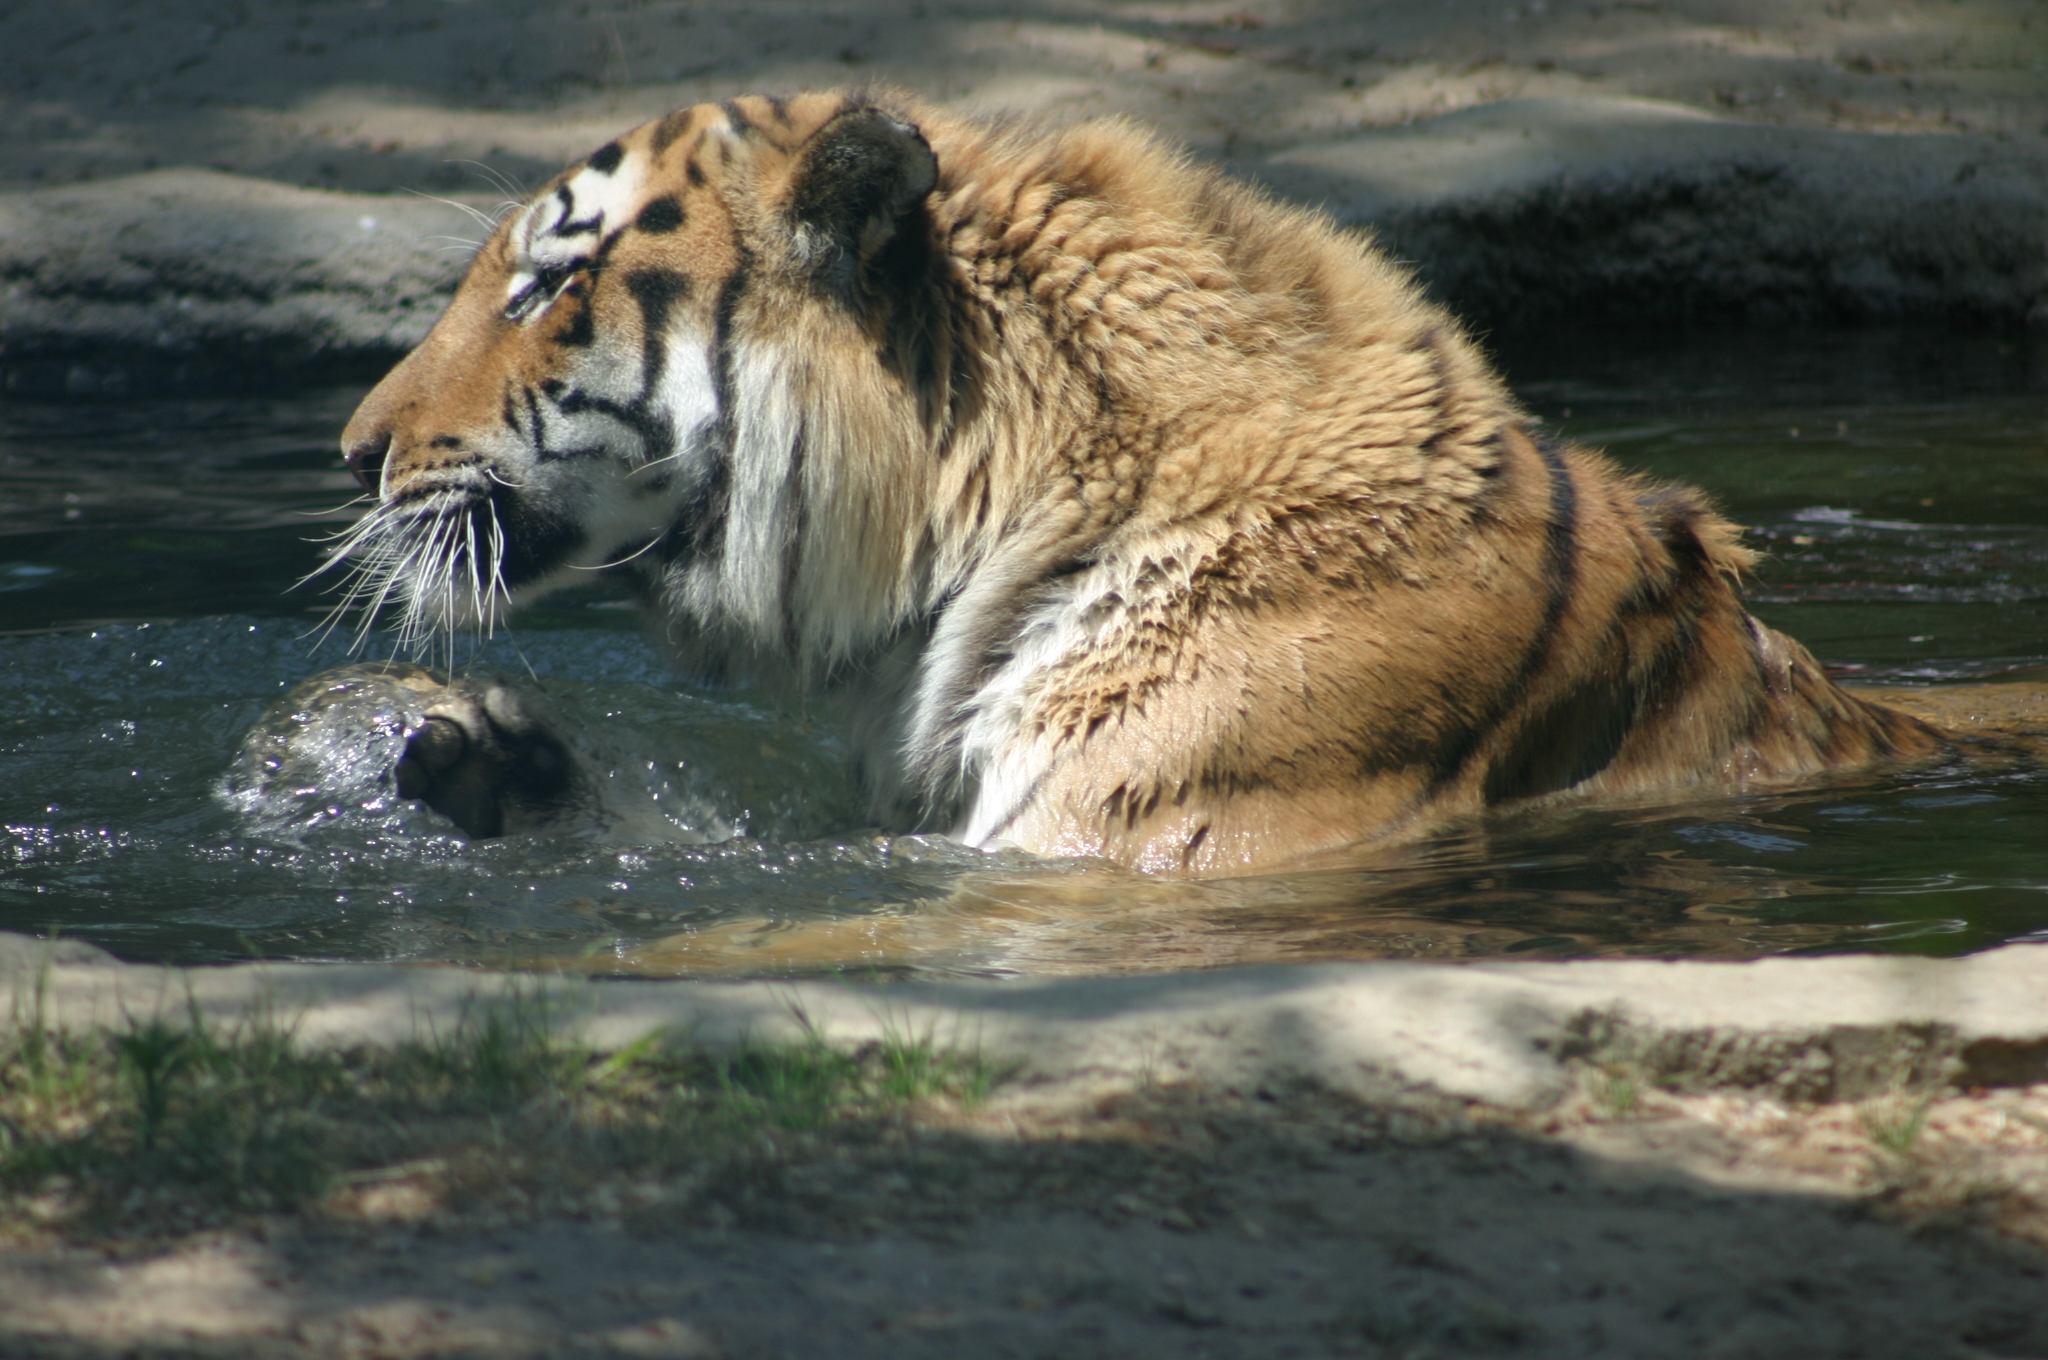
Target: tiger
(1138, 515)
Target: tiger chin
(1139, 516)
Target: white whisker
(476, 570)
(607, 566)
(498, 587)
(533, 674)
(500, 181)
(349, 504)
(482, 219)
(409, 557)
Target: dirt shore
(1167, 1221)
(1831, 1157)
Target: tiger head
(655, 367)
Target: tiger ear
(855, 182)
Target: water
(147, 548)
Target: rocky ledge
(180, 277)
(1516, 212)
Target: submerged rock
(491, 757)
(189, 277)
(1527, 209)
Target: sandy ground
(1154, 1222)
(1161, 1222)
(1181, 1176)
(430, 94)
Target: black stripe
(656, 291)
(1647, 660)
(1560, 537)
(798, 526)
(1560, 569)
(606, 158)
(580, 331)
(657, 437)
(579, 227)
(737, 117)
(599, 257)
(563, 226)
(537, 435)
(1027, 798)
(1673, 662)
(661, 216)
(704, 517)
(668, 129)
(535, 429)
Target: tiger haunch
(1142, 517)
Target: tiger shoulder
(1138, 514)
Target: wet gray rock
(1530, 209)
(361, 749)
(1519, 211)
(360, 740)
(181, 274)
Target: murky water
(147, 547)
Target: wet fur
(1142, 516)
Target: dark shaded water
(1899, 483)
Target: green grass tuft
(1617, 1090)
(242, 1117)
(1896, 1127)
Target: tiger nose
(366, 460)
